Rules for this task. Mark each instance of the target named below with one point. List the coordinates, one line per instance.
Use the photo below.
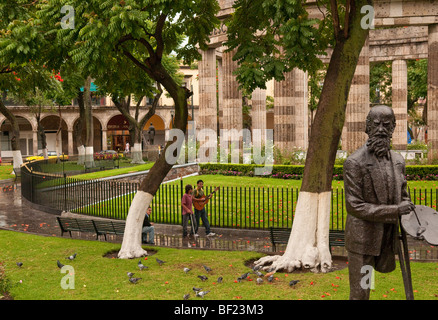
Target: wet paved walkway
(18, 216)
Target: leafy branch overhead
(143, 31)
(273, 37)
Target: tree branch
(347, 18)
(159, 35)
(151, 111)
(142, 66)
(6, 70)
(123, 39)
(123, 107)
(335, 16)
(148, 46)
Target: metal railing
(231, 207)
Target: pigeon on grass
(202, 293)
(160, 262)
(203, 278)
(186, 270)
(72, 257)
(141, 265)
(134, 280)
(293, 282)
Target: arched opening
(97, 136)
(160, 130)
(55, 142)
(26, 138)
(118, 133)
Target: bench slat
(99, 227)
(281, 236)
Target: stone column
(207, 114)
(400, 103)
(104, 139)
(284, 125)
(232, 118)
(70, 142)
(358, 105)
(301, 109)
(291, 112)
(258, 112)
(432, 93)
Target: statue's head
(380, 125)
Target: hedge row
(413, 172)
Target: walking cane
(405, 266)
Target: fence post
(65, 191)
(31, 185)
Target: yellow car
(51, 155)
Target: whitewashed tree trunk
(58, 144)
(137, 155)
(308, 245)
(131, 245)
(81, 154)
(45, 153)
(17, 160)
(89, 159)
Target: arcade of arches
(110, 131)
(404, 30)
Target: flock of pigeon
(58, 263)
(198, 291)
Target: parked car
(50, 154)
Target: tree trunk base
(89, 157)
(17, 160)
(137, 155)
(81, 155)
(131, 245)
(308, 245)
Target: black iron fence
(231, 207)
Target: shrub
(107, 156)
(413, 172)
(278, 171)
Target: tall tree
(17, 42)
(124, 84)
(143, 31)
(29, 85)
(24, 37)
(273, 37)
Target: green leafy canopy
(271, 37)
(101, 27)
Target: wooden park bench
(281, 236)
(104, 227)
(98, 227)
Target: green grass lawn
(248, 202)
(99, 278)
(5, 172)
(115, 172)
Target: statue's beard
(380, 146)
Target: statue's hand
(405, 207)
